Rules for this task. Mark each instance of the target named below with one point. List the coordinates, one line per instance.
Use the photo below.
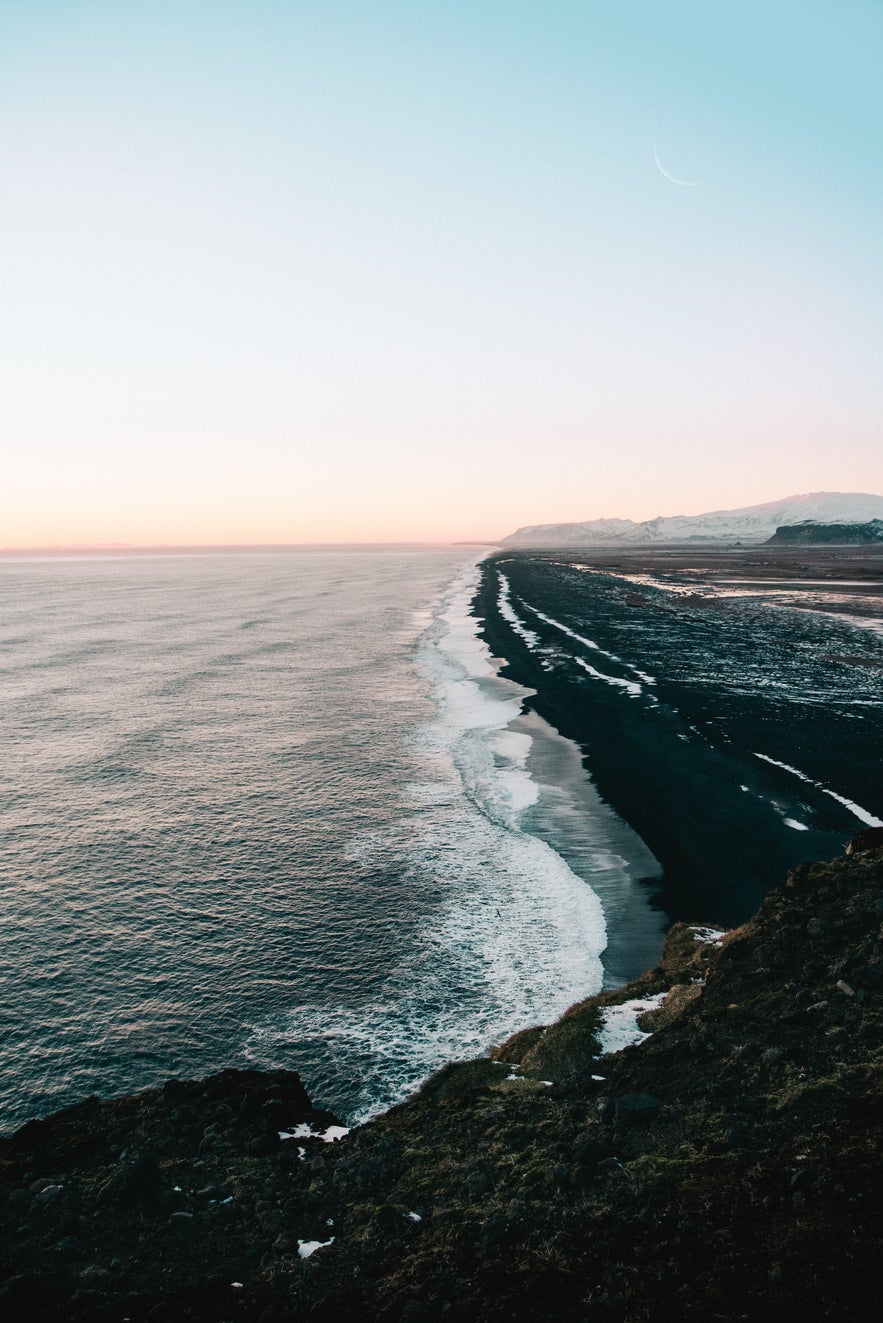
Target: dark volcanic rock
(132, 1181)
(731, 1171)
(869, 839)
(636, 1109)
(811, 533)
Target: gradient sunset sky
(282, 271)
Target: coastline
(476, 924)
(724, 1165)
(554, 800)
(703, 1141)
(724, 820)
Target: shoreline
(724, 814)
(598, 845)
(592, 839)
(739, 1111)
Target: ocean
(281, 809)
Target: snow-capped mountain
(753, 523)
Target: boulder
(869, 839)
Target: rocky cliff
(727, 1166)
(813, 534)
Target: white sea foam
(588, 643)
(862, 814)
(632, 688)
(516, 937)
(509, 614)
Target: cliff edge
(811, 533)
(725, 1165)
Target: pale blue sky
(289, 271)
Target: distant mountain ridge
(751, 523)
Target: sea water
(280, 809)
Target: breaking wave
(516, 935)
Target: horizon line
(147, 548)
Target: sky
(287, 271)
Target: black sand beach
(761, 693)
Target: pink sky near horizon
(185, 522)
(352, 491)
(290, 273)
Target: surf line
(862, 814)
(588, 643)
(509, 614)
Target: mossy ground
(726, 1168)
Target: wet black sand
(760, 650)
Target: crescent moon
(685, 183)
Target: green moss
(514, 1048)
(651, 1167)
(567, 1047)
(809, 1094)
(763, 1162)
(521, 1086)
(461, 1083)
